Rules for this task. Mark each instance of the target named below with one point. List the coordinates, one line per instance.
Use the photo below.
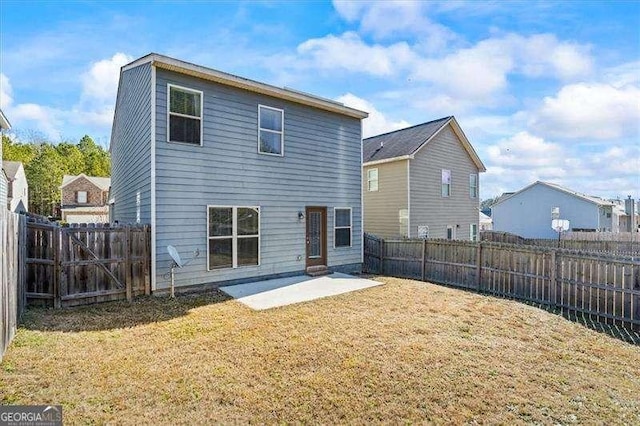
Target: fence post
(553, 282)
(381, 256)
(424, 255)
(57, 269)
(147, 260)
(127, 261)
(479, 266)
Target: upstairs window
(270, 132)
(473, 185)
(81, 197)
(446, 183)
(342, 227)
(372, 179)
(185, 115)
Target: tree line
(45, 164)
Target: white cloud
(94, 109)
(391, 18)
(6, 98)
(590, 110)
(100, 82)
(377, 122)
(349, 52)
(525, 150)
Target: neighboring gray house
(17, 187)
(262, 181)
(422, 181)
(4, 182)
(527, 213)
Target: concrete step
(317, 271)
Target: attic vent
(381, 144)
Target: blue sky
(544, 90)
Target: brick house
(84, 199)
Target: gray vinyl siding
(528, 213)
(321, 167)
(428, 206)
(131, 147)
(381, 207)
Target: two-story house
(84, 199)
(17, 186)
(422, 182)
(261, 181)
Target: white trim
(187, 68)
(408, 199)
(169, 113)
(343, 227)
(477, 191)
(389, 160)
(153, 179)
(471, 234)
(442, 183)
(453, 232)
(234, 236)
(281, 132)
(361, 198)
(4, 122)
(369, 180)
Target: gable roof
(176, 65)
(4, 123)
(101, 182)
(11, 168)
(595, 200)
(404, 143)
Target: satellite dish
(175, 256)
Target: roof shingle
(400, 142)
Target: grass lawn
(403, 352)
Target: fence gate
(86, 264)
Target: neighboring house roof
(404, 143)
(172, 64)
(101, 182)
(484, 218)
(11, 168)
(4, 123)
(595, 200)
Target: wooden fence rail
(622, 243)
(605, 287)
(67, 266)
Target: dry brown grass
(402, 352)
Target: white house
(527, 213)
(17, 186)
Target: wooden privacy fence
(623, 242)
(606, 287)
(12, 301)
(67, 266)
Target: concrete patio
(277, 292)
